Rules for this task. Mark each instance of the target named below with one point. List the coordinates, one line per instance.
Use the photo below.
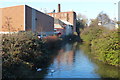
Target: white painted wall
(68, 30)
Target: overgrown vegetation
(106, 47)
(23, 52)
(104, 43)
(91, 33)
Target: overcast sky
(90, 8)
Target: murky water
(74, 62)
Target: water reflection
(73, 61)
(104, 70)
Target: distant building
(25, 18)
(58, 26)
(66, 16)
(63, 27)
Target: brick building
(25, 18)
(66, 16)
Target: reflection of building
(25, 18)
(65, 56)
(69, 17)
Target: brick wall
(23, 17)
(67, 16)
(0, 19)
(12, 19)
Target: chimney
(59, 8)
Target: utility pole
(115, 11)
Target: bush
(104, 44)
(21, 49)
(21, 46)
(91, 33)
(23, 52)
(106, 47)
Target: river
(74, 61)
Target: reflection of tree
(107, 71)
(104, 70)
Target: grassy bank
(104, 44)
(23, 52)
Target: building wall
(0, 19)
(67, 16)
(28, 18)
(12, 19)
(38, 21)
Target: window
(52, 15)
(65, 14)
(55, 15)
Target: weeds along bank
(104, 44)
(23, 52)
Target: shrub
(104, 43)
(91, 33)
(21, 49)
(23, 52)
(106, 47)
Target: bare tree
(8, 24)
(103, 17)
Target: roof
(62, 12)
(110, 25)
(58, 26)
(66, 22)
(12, 6)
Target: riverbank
(103, 44)
(24, 52)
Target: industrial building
(25, 18)
(67, 17)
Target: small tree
(103, 17)
(8, 25)
(80, 23)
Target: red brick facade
(66, 16)
(12, 19)
(25, 18)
